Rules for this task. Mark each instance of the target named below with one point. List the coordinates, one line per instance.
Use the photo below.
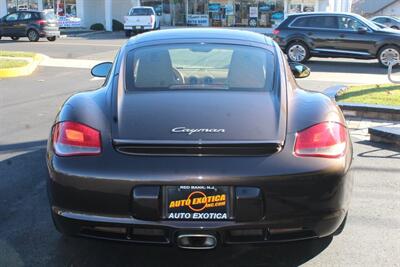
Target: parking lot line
(68, 63)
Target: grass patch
(12, 63)
(387, 94)
(16, 54)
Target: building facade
(202, 13)
(370, 8)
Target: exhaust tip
(196, 241)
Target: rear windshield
(141, 12)
(200, 66)
(48, 15)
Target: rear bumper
(294, 208)
(129, 229)
(50, 33)
(301, 197)
(138, 28)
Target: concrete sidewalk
(68, 63)
(348, 78)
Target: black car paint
(310, 194)
(20, 27)
(368, 43)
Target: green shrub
(117, 26)
(97, 27)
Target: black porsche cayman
(198, 138)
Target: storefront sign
(265, 7)
(214, 7)
(68, 22)
(253, 12)
(197, 20)
(278, 15)
(229, 10)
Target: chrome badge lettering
(189, 131)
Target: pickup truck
(141, 19)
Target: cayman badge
(189, 131)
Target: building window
(196, 7)
(16, 5)
(65, 11)
(48, 4)
(298, 6)
(61, 7)
(70, 8)
(197, 13)
(255, 13)
(156, 4)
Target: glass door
(178, 12)
(197, 13)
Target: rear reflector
(247, 232)
(116, 230)
(73, 139)
(326, 139)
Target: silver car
(391, 22)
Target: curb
(387, 134)
(334, 91)
(82, 34)
(368, 111)
(380, 134)
(22, 71)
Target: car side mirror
(362, 29)
(101, 70)
(390, 69)
(299, 70)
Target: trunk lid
(217, 119)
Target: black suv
(31, 24)
(302, 36)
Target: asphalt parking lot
(27, 237)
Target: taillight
(151, 19)
(326, 139)
(275, 32)
(73, 139)
(41, 22)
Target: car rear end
(197, 164)
(140, 19)
(282, 32)
(48, 25)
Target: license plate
(138, 27)
(197, 202)
(52, 34)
